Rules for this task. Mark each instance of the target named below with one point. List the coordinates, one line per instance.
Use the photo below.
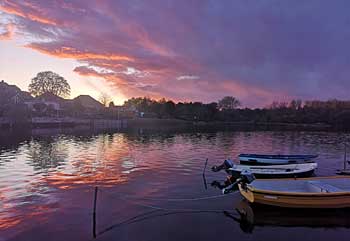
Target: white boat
(259, 159)
(295, 170)
(316, 192)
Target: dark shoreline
(155, 123)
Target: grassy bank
(242, 125)
(155, 122)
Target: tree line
(333, 112)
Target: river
(47, 185)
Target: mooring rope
(154, 214)
(155, 208)
(177, 209)
(128, 197)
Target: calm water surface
(47, 187)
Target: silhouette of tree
(49, 82)
(295, 104)
(111, 104)
(168, 108)
(333, 113)
(229, 103)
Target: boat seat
(323, 187)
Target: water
(47, 187)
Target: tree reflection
(46, 154)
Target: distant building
(11, 94)
(46, 104)
(88, 102)
(50, 105)
(123, 112)
(33, 105)
(49, 97)
(85, 105)
(12, 100)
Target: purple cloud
(258, 51)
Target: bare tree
(104, 99)
(295, 104)
(49, 82)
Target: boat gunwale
(308, 178)
(277, 169)
(278, 156)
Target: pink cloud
(8, 33)
(194, 50)
(26, 9)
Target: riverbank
(240, 125)
(271, 126)
(67, 122)
(61, 122)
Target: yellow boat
(316, 192)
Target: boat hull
(262, 215)
(295, 199)
(270, 162)
(275, 171)
(309, 173)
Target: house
(48, 99)
(87, 106)
(46, 104)
(12, 99)
(88, 102)
(42, 106)
(11, 94)
(123, 112)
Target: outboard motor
(224, 166)
(246, 177)
(228, 163)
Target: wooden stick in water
(94, 214)
(205, 166)
(345, 158)
(203, 174)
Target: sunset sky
(190, 50)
